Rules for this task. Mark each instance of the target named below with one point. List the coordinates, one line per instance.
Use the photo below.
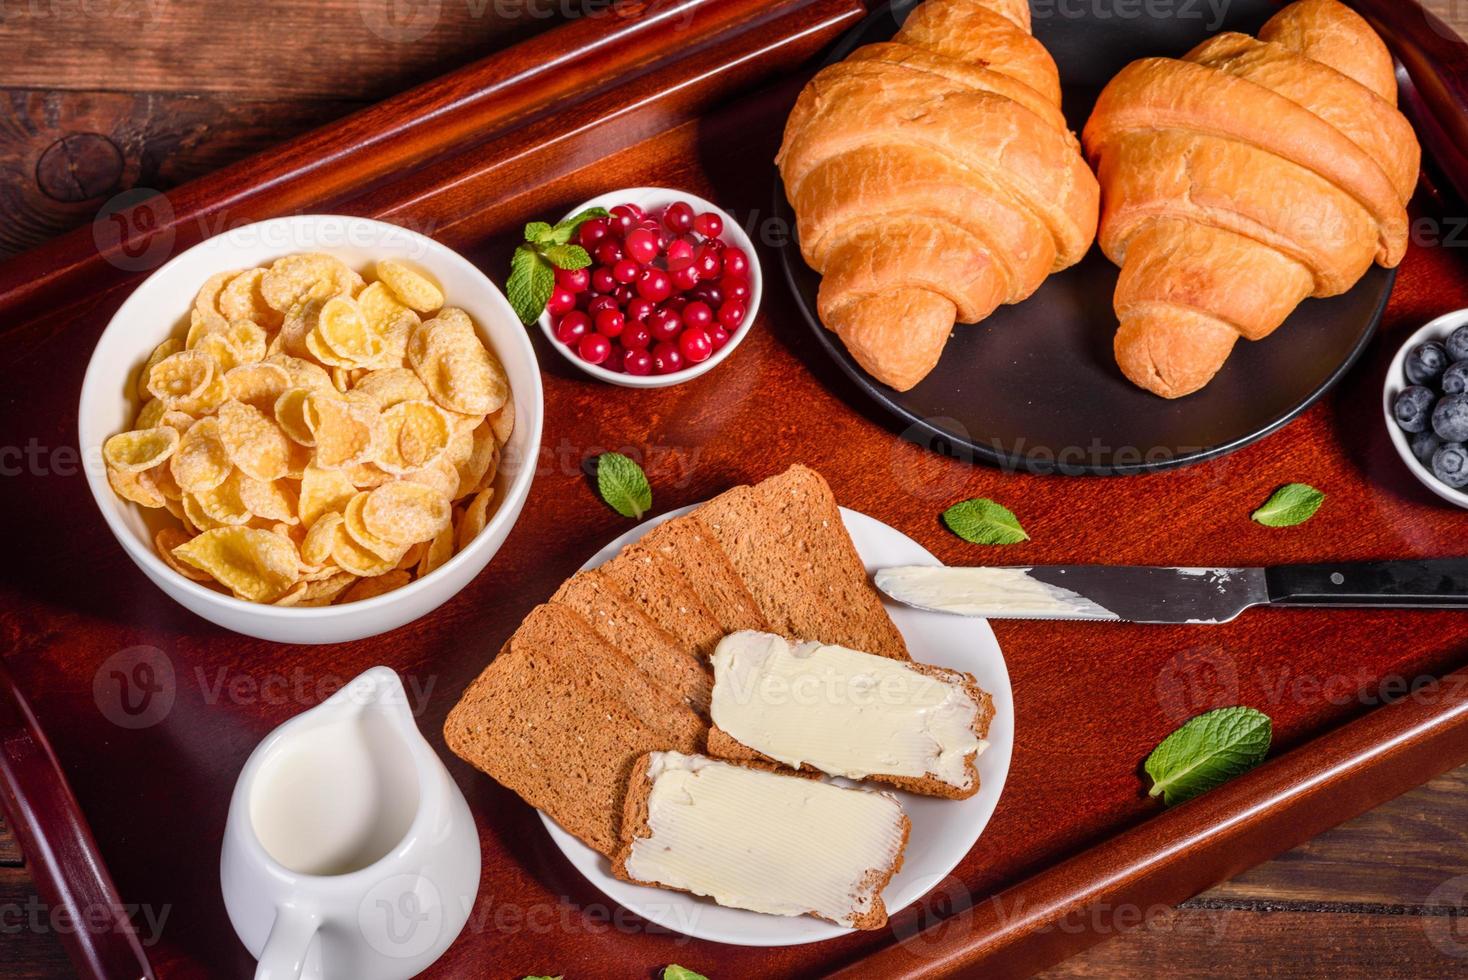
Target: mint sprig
(534, 264)
(675, 972)
(1291, 504)
(1208, 751)
(623, 485)
(982, 521)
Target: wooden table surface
(107, 96)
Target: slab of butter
(841, 711)
(772, 843)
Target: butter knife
(1147, 594)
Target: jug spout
(380, 687)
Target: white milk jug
(349, 853)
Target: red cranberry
(731, 315)
(609, 251)
(576, 280)
(665, 324)
(709, 262)
(639, 309)
(709, 225)
(684, 279)
(624, 295)
(615, 359)
(625, 270)
(678, 218)
(695, 346)
(680, 255)
(609, 323)
(623, 219)
(594, 348)
(718, 337)
(698, 316)
(599, 304)
(736, 263)
(638, 362)
(562, 300)
(602, 279)
(677, 304)
(636, 336)
(735, 289)
(591, 231)
(572, 327)
(654, 284)
(642, 245)
(666, 358)
(709, 294)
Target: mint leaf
(567, 256)
(623, 485)
(1294, 503)
(1208, 751)
(982, 521)
(676, 972)
(566, 230)
(530, 283)
(538, 232)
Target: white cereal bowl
(656, 198)
(1396, 380)
(162, 301)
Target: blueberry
(1424, 444)
(1425, 362)
(1413, 407)
(1450, 418)
(1455, 378)
(1450, 464)
(1457, 344)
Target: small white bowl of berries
(673, 287)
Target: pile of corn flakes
(318, 439)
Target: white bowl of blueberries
(1426, 405)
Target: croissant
(934, 178)
(1244, 178)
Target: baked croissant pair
(934, 178)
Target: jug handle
(284, 955)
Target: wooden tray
(694, 94)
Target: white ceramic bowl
(653, 199)
(160, 305)
(1396, 380)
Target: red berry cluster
(663, 291)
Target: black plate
(1035, 386)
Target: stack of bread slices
(609, 685)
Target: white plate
(943, 831)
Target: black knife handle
(1435, 583)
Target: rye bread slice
(665, 596)
(722, 745)
(625, 627)
(634, 825)
(688, 545)
(559, 717)
(786, 540)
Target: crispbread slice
(625, 627)
(722, 745)
(786, 540)
(688, 545)
(559, 717)
(635, 825)
(667, 598)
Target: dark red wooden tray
(694, 94)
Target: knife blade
(1150, 594)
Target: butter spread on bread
(848, 713)
(760, 840)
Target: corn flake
(411, 288)
(254, 564)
